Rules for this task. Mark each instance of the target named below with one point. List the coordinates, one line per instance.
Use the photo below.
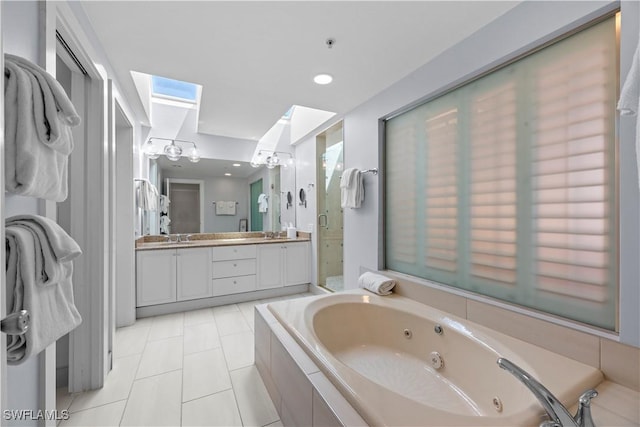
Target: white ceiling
(256, 59)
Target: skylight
(173, 89)
(289, 112)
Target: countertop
(212, 240)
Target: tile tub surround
(618, 362)
(316, 399)
(215, 239)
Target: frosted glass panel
(506, 186)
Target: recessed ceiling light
(227, 174)
(323, 79)
(237, 165)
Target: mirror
(222, 181)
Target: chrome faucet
(560, 416)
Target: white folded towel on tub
(376, 283)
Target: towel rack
(214, 202)
(373, 171)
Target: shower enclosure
(330, 152)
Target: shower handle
(326, 220)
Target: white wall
(528, 24)
(19, 19)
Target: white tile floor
(185, 369)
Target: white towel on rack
(225, 207)
(263, 203)
(53, 246)
(164, 204)
(629, 103)
(51, 305)
(351, 188)
(38, 140)
(147, 196)
(164, 224)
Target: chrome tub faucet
(560, 416)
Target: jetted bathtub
(402, 363)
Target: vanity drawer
(236, 267)
(234, 285)
(224, 253)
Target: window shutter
(506, 186)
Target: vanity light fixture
(172, 150)
(271, 159)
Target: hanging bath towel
(263, 203)
(38, 120)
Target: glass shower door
(329, 146)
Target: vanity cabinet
(283, 264)
(155, 277)
(170, 275)
(193, 273)
(233, 269)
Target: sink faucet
(560, 416)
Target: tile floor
(184, 369)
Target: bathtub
(402, 363)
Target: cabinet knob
(234, 282)
(235, 265)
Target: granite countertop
(201, 240)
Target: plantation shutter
(506, 186)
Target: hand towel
(147, 196)
(38, 140)
(263, 203)
(52, 309)
(376, 283)
(52, 247)
(231, 207)
(164, 224)
(164, 204)
(629, 103)
(351, 189)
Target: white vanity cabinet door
(296, 263)
(155, 277)
(269, 259)
(193, 273)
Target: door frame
(89, 182)
(199, 182)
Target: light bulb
(150, 150)
(172, 151)
(194, 156)
(254, 164)
(275, 159)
